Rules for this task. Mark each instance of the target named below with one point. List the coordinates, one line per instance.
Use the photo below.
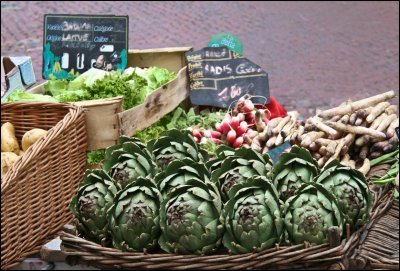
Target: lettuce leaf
(21, 95)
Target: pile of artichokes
(169, 195)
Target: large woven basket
(326, 256)
(35, 193)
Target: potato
(7, 160)
(9, 142)
(31, 137)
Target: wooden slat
(158, 104)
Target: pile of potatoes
(10, 150)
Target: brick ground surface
(317, 54)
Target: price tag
(219, 76)
(276, 152)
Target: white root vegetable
(386, 123)
(364, 152)
(345, 119)
(378, 121)
(323, 150)
(339, 147)
(357, 130)
(377, 110)
(316, 155)
(352, 164)
(300, 132)
(353, 118)
(362, 140)
(366, 166)
(345, 159)
(331, 147)
(392, 109)
(281, 124)
(325, 128)
(271, 142)
(391, 129)
(323, 141)
(358, 122)
(353, 106)
(311, 137)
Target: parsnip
(357, 130)
(353, 106)
(281, 124)
(377, 110)
(311, 137)
(324, 128)
(366, 166)
(391, 129)
(378, 121)
(386, 123)
(392, 109)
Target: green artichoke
(351, 191)
(176, 145)
(128, 160)
(178, 172)
(292, 170)
(94, 197)
(222, 152)
(191, 220)
(252, 216)
(245, 163)
(310, 213)
(134, 216)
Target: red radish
(241, 116)
(207, 133)
(242, 128)
(235, 122)
(238, 142)
(215, 140)
(248, 106)
(196, 133)
(215, 134)
(225, 127)
(227, 117)
(231, 137)
(218, 126)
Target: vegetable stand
(106, 120)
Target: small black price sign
(219, 76)
(76, 43)
(275, 153)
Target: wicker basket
(379, 242)
(35, 193)
(326, 256)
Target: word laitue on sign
(219, 76)
(76, 43)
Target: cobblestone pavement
(317, 54)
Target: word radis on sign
(219, 76)
(76, 43)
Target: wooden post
(334, 237)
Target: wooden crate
(105, 118)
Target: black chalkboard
(276, 152)
(219, 76)
(76, 43)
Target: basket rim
(69, 118)
(72, 246)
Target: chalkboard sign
(219, 76)
(76, 43)
(276, 152)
